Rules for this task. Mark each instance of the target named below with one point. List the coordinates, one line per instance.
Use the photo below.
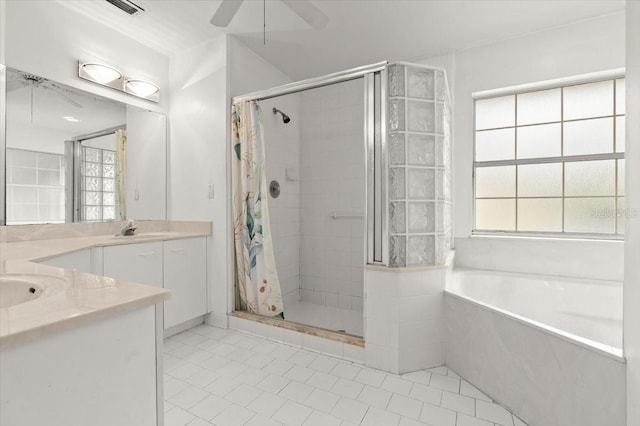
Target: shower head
(285, 117)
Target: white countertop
(71, 298)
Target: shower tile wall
(420, 209)
(282, 143)
(332, 182)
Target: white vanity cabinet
(141, 262)
(185, 274)
(78, 260)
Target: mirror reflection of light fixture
(109, 76)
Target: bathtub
(549, 348)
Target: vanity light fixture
(109, 76)
(140, 88)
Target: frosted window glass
(495, 144)
(588, 136)
(498, 215)
(20, 158)
(49, 161)
(590, 178)
(540, 180)
(539, 107)
(620, 134)
(588, 100)
(622, 212)
(540, 214)
(590, 215)
(496, 181)
(620, 96)
(621, 177)
(22, 176)
(496, 112)
(539, 141)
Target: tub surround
(508, 357)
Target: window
(551, 160)
(98, 184)
(35, 187)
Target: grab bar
(345, 215)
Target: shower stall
(357, 175)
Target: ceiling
(359, 31)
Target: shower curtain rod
(311, 83)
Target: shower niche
(362, 158)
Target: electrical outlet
(210, 191)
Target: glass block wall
(419, 148)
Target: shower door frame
(376, 147)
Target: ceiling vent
(127, 6)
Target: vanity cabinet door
(78, 261)
(140, 263)
(185, 274)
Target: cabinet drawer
(141, 263)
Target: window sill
(545, 237)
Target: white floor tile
(323, 381)
(469, 390)
(198, 422)
(426, 394)
(299, 373)
(464, 420)
(302, 358)
(243, 395)
(318, 418)
(493, 413)
(396, 384)
(267, 404)
(273, 383)
(188, 397)
(404, 421)
(185, 371)
(447, 383)
(260, 420)
(259, 360)
(405, 406)
(233, 415)
(346, 371)
(378, 417)
(375, 397)
(347, 388)
(222, 386)
(292, 414)
(209, 407)
(252, 376)
(278, 367)
(323, 364)
(321, 400)
(370, 377)
(459, 403)
(518, 422)
(350, 410)
(173, 386)
(296, 391)
(437, 416)
(421, 376)
(177, 417)
(203, 378)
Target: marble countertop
(71, 298)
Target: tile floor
(328, 317)
(222, 377)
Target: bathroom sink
(18, 289)
(138, 237)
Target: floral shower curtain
(256, 276)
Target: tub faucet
(129, 228)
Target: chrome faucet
(129, 229)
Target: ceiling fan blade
(225, 13)
(13, 85)
(65, 97)
(308, 12)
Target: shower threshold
(324, 333)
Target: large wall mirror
(74, 156)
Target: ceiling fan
(22, 80)
(303, 8)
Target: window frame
(610, 75)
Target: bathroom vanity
(82, 328)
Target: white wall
(632, 249)
(36, 138)
(584, 47)
(198, 118)
(332, 180)
(47, 39)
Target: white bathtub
(547, 347)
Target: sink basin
(137, 237)
(18, 289)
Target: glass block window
(551, 161)
(35, 187)
(98, 184)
